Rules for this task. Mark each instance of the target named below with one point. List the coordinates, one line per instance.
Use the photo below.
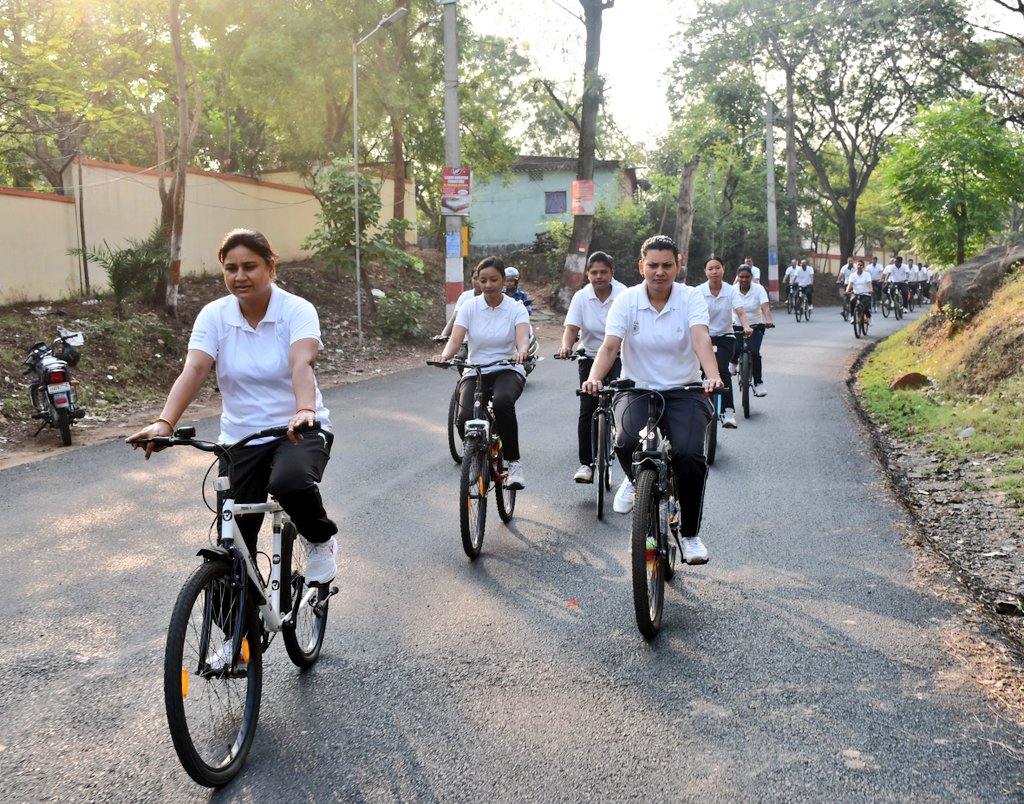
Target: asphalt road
(804, 663)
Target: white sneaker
(810, 306)
(760, 390)
(221, 657)
(733, 368)
(515, 476)
(694, 551)
(585, 474)
(729, 419)
(623, 502)
(321, 563)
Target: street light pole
(773, 236)
(398, 13)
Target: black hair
(251, 239)
(601, 258)
(659, 243)
(491, 262)
(744, 267)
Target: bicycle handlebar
(185, 437)
(577, 354)
(463, 364)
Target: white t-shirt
(874, 270)
(755, 273)
(914, 273)
(720, 308)
(657, 350)
(790, 273)
(897, 273)
(751, 301)
(589, 313)
(253, 374)
(804, 276)
(464, 297)
(492, 330)
(846, 272)
(861, 283)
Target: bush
(135, 271)
(398, 314)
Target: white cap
(511, 273)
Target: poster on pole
(456, 183)
(583, 198)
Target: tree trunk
(685, 208)
(181, 164)
(593, 94)
(397, 168)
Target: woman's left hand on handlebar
(158, 429)
(299, 421)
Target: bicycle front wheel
(798, 309)
(304, 635)
(711, 440)
(897, 307)
(745, 383)
(454, 444)
(646, 544)
(602, 450)
(858, 316)
(473, 497)
(886, 306)
(212, 710)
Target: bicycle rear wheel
(886, 305)
(504, 497)
(647, 564)
(897, 307)
(711, 440)
(304, 636)
(858, 317)
(454, 444)
(601, 439)
(211, 713)
(744, 373)
(473, 497)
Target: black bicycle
(602, 439)
(860, 318)
(745, 368)
(801, 307)
(454, 442)
(223, 621)
(483, 464)
(654, 531)
(892, 301)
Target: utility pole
(773, 235)
(452, 157)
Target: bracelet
(162, 419)
(300, 410)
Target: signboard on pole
(583, 198)
(456, 183)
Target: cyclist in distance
(722, 305)
(585, 320)
(264, 343)
(804, 277)
(466, 295)
(753, 300)
(498, 328)
(661, 328)
(860, 285)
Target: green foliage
(333, 239)
(398, 314)
(135, 271)
(954, 176)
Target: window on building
(554, 203)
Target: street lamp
(397, 14)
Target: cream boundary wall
(122, 202)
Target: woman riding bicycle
(661, 329)
(722, 307)
(264, 342)
(585, 320)
(498, 328)
(861, 286)
(753, 299)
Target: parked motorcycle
(54, 390)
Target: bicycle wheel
(454, 444)
(211, 714)
(505, 498)
(744, 373)
(897, 307)
(789, 303)
(711, 440)
(910, 302)
(304, 637)
(601, 442)
(807, 309)
(886, 305)
(473, 497)
(864, 321)
(798, 308)
(648, 566)
(858, 317)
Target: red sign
(583, 198)
(456, 183)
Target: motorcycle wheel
(64, 425)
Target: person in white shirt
(753, 300)
(264, 343)
(845, 273)
(754, 270)
(498, 328)
(860, 286)
(897, 273)
(661, 329)
(585, 321)
(789, 278)
(875, 271)
(913, 276)
(722, 306)
(805, 279)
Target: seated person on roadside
(512, 289)
(585, 320)
(860, 286)
(661, 329)
(498, 328)
(753, 299)
(722, 303)
(804, 277)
